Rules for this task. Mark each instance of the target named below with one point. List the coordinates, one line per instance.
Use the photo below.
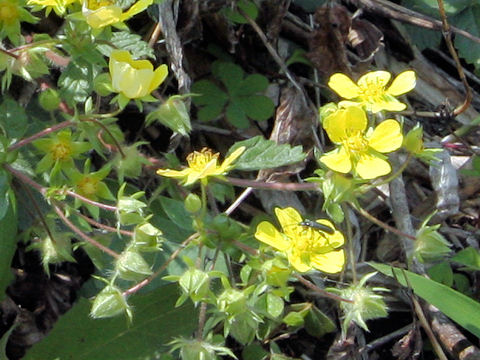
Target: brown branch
(447, 34)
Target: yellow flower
(305, 247)
(11, 14)
(201, 165)
(59, 6)
(370, 91)
(101, 13)
(134, 78)
(360, 149)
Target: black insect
(317, 226)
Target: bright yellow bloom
(201, 165)
(360, 149)
(59, 6)
(305, 247)
(101, 13)
(370, 91)
(11, 14)
(134, 78)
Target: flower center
(199, 160)
(372, 91)
(356, 143)
(61, 151)
(96, 4)
(8, 12)
(88, 186)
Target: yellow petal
(403, 83)
(331, 262)
(344, 122)
(370, 167)
(334, 240)
(226, 165)
(268, 234)
(374, 78)
(159, 76)
(172, 173)
(386, 137)
(343, 86)
(104, 16)
(288, 219)
(389, 103)
(337, 160)
(133, 83)
(297, 263)
(136, 8)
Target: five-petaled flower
(360, 149)
(201, 165)
(371, 90)
(101, 13)
(305, 247)
(134, 79)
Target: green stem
(350, 245)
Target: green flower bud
(49, 99)
(195, 284)
(232, 302)
(193, 203)
(132, 266)
(148, 238)
(430, 245)
(108, 303)
(413, 141)
(173, 114)
(102, 84)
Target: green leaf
(76, 81)
(176, 212)
(266, 154)
(8, 242)
(274, 305)
(458, 307)
(469, 20)
(442, 273)
(252, 84)
(210, 112)
(469, 257)
(247, 6)
(258, 107)
(156, 322)
(229, 73)
(210, 94)
(317, 323)
(127, 41)
(13, 119)
(236, 116)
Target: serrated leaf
(76, 81)
(127, 41)
(8, 241)
(156, 322)
(458, 307)
(266, 154)
(257, 107)
(210, 94)
(274, 305)
(13, 119)
(317, 323)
